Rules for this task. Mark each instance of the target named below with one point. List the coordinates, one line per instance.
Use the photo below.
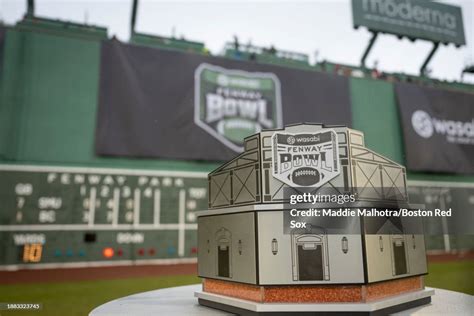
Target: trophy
(258, 255)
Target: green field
(455, 276)
(78, 298)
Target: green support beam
(427, 60)
(133, 20)
(367, 50)
(30, 8)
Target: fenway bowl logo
(233, 104)
(306, 159)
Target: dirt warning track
(95, 273)
(121, 272)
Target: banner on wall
(438, 128)
(168, 104)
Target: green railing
(64, 28)
(167, 43)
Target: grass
(79, 298)
(455, 276)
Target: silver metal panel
(234, 234)
(220, 189)
(206, 250)
(238, 181)
(376, 177)
(417, 254)
(383, 255)
(246, 184)
(248, 179)
(280, 266)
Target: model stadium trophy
(251, 263)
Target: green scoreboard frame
(73, 216)
(56, 216)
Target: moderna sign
(428, 20)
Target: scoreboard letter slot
(115, 209)
(92, 206)
(181, 226)
(136, 207)
(157, 208)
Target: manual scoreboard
(72, 216)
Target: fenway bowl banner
(233, 104)
(167, 104)
(438, 128)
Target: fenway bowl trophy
(260, 252)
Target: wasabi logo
(455, 131)
(421, 122)
(233, 104)
(308, 160)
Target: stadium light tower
(428, 58)
(369, 47)
(133, 19)
(467, 70)
(30, 8)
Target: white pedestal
(181, 301)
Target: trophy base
(381, 306)
(313, 293)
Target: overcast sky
(302, 26)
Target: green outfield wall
(49, 84)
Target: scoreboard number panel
(32, 253)
(74, 216)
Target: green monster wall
(49, 96)
(50, 86)
(49, 102)
(374, 111)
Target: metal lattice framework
(247, 178)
